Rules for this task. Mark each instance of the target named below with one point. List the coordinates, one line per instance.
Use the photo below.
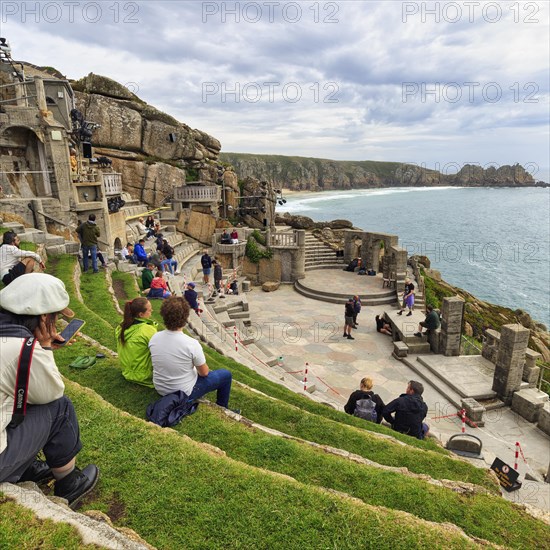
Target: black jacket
(410, 411)
(349, 407)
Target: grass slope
(177, 494)
(479, 515)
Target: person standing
(133, 336)
(206, 262)
(356, 310)
(30, 306)
(178, 360)
(408, 298)
(89, 233)
(218, 276)
(348, 319)
(15, 262)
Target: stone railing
(112, 183)
(197, 193)
(283, 239)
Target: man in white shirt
(29, 308)
(14, 262)
(178, 360)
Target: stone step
(15, 227)
(440, 385)
(225, 320)
(32, 235)
(366, 300)
(490, 394)
(239, 314)
(320, 266)
(52, 240)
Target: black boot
(77, 484)
(38, 471)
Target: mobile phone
(69, 331)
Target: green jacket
(88, 233)
(134, 354)
(146, 278)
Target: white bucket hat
(35, 294)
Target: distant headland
(315, 174)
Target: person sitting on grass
(382, 326)
(178, 360)
(133, 336)
(159, 287)
(147, 277)
(15, 262)
(356, 408)
(410, 411)
(430, 323)
(29, 308)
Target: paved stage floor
(304, 330)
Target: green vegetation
(254, 252)
(177, 494)
(20, 528)
(191, 174)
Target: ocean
(494, 243)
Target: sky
(439, 84)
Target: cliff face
(152, 150)
(311, 174)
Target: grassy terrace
(124, 457)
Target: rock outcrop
(313, 174)
(153, 151)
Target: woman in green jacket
(133, 336)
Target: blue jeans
(86, 251)
(169, 263)
(215, 380)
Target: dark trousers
(52, 428)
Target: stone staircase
(54, 245)
(319, 255)
(448, 388)
(384, 296)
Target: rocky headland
(315, 174)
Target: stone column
(452, 314)
(349, 243)
(299, 257)
(510, 361)
(531, 372)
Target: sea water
(492, 242)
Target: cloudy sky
(439, 84)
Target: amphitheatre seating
(278, 423)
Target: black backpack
(366, 409)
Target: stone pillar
(510, 361)
(452, 314)
(531, 372)
(490, 345)
(40, 95)
(38, 217)
(299, 257)
(349, 243)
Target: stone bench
(528, 403)
(400, 349)
(544, 419)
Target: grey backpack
(366, 409)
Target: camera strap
(22, 382)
